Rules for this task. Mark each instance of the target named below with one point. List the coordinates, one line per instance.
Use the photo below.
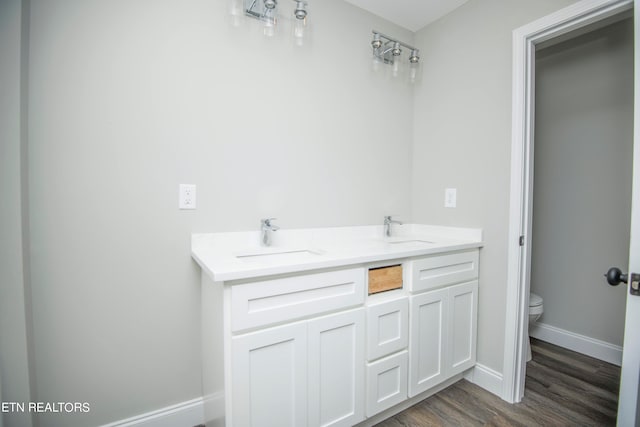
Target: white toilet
(535, 311)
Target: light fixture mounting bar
(391, 39)
(258, 9)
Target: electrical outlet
(450, 197)
(187, 198)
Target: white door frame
(525, 39)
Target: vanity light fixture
(389, 50)
(267, 10)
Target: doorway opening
(581, 212)
(583, 148)
(568, 23)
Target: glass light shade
(236, 7)
(299, 31)
(236, 12)
(414, 72)
(376, 62)
(395, 67)
(270, 22)
(269, 29)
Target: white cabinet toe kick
(316, 348)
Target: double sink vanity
(335, 326)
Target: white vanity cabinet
(443, 320)
(334, 342)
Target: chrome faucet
(387, 225)
(266, 228)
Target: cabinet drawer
(386, 383)
(387, 328)
(442, 270)
(266, 302)
(385, 279)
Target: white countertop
(238, 255)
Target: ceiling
(410, 14)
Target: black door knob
(615, 276)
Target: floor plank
(563, 388)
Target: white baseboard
(601, 350)
(486, 378)
(185, 414)
(214, 410)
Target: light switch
(187, 196)
(450, 196)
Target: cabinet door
(269, 382)
(427, 367)
(463, 307)
(336, 369)
(387, 328)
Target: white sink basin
(411, 242)
(278, 254)
(408, 243)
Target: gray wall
(582, 180)
(130, 99)
(462, 139)
(14, 303)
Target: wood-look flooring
(562, 388)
